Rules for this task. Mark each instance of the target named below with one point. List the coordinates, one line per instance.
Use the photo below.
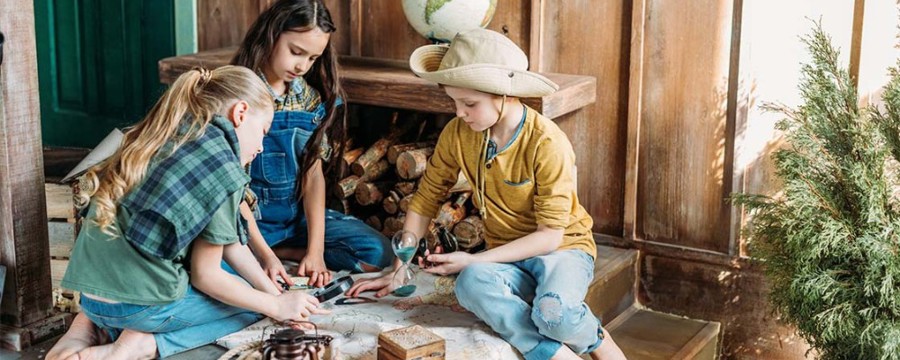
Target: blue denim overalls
(348, 241)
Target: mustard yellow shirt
(530, 182)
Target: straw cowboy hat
(482, 60)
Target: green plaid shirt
(181, 191)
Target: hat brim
(493, 79)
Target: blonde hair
(199, 93)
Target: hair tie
(205, 75)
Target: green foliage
(830, 240)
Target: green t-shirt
(110, 267)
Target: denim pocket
(280, 193)
(274, 167)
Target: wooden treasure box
(412, 342)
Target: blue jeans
(535, 304)
(348, 241)
(192, 321)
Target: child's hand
(297, 306)
(274, 269)
(446, 264)
(381, 284)
(314, 267)
(424, 263)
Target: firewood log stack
(380, 180)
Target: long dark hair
(254, 53)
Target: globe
(441, 20)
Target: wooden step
(612, 290)
(649, 335)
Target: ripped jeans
(536, 304)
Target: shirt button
(488, 166)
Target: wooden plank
(62, 239)
(672, 337)
(58, 270)
(683, 118)
(356, 27)
(736, 113)
(704, 339)
(598, 133)
(536, 38)
(24, 248)
(859, 7)
(390, 83)
(513, 18)
(636, 82)
(341, 16)
(222, 23)
(613, 289)
(59, 201)
(383, 32)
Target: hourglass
(404, 244)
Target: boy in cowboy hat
(529, 285)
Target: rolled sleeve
(555, 182)
(222, 228)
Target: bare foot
(95, 352)
(81, 335)
(608, 350)
(130, 345)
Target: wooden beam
(356, 27)
(536, 39)
(636, 80)
(859, 7)
(390, 83)
(735, 108)
(27, 301)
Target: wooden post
(26, 315)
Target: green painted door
(97, 64)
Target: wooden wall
(675, 128)
(222, 23)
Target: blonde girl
(162, 214)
